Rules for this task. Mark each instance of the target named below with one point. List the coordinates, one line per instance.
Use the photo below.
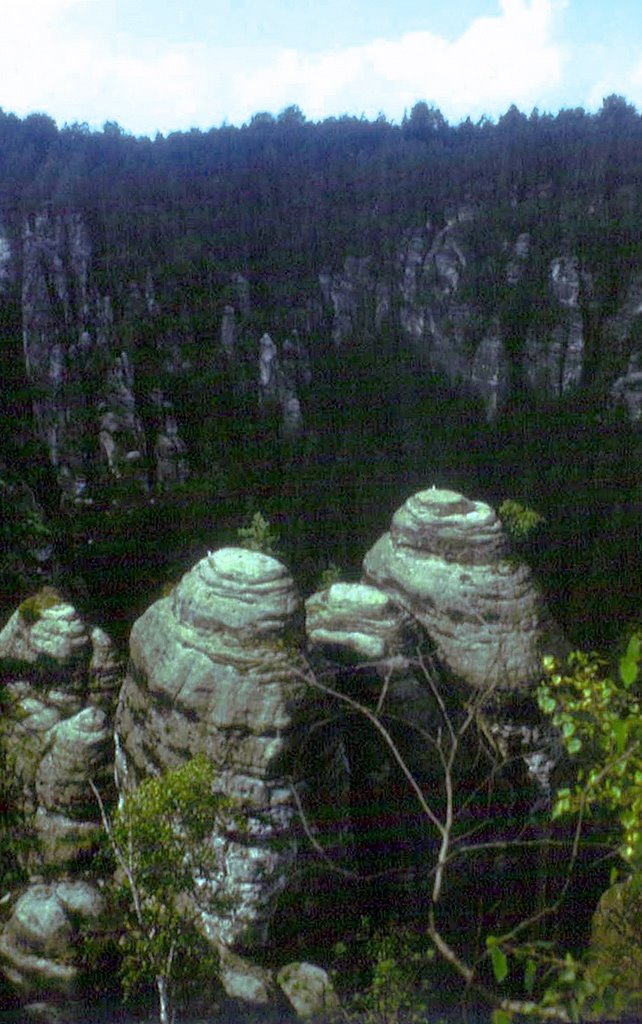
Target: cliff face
(225, 666)
(81, 374)
(110, 379)
(106, 418)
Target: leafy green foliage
(258, 535)
(397, 985)
(497, 958)
(519, 520)
(16, 841)
(24, 532)
(160, 838)
(599, 715)
(331, 574)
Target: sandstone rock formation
(310, 991)
(357, 617)
(60, 680)
(280, 380)
(447, 562)
(216, 667)
(42, 929)
(210, 673)
(86, 410)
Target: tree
(519, 970)
(160, 837)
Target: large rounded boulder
(448, 562)
(214, 669)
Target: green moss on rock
(32, 608)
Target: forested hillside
(314, 319)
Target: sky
(159, 66)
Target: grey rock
(242, 290)
(170, 458)
(490, 373)
(279, 381)
(516, 264)
(309, 990)
(80, 749)
(245, 980)
(447, 562)
(58, 635)
(105, 670)
(121, 432)
(62, 679)
(209, 672)
(228, 332)
(627, 391)
(565, 280)
(357, 617)
(38, 943)
(351, 293)
(6, 261)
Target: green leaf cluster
(568, 986)
(330, 575)
(31, 608)
(161, 837)
(599, 715)
(397, 987)
(519, 520)
(258, 535)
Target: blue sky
(152, 65)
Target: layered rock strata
(86, 408)
(212, 671)
(42, 929)
(447, 562)
(60, 679)
(357, 618)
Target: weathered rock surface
(554, 357)
(280, 380)
(447, 562)
(357, 617)
(61, 679)
(35, 942)
(210, 672)
(490, 372)
(615, 945)
(216, 668)
(80, 748)
(627, 390)
(245, 980)
(309, 990)
(7, 263)
(86, 411)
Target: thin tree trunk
(164, 1013)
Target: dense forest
(251, 217)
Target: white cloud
(47, 63)
(495, 62)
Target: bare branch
(361, 709)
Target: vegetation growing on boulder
(31, 608)
(258, 535)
